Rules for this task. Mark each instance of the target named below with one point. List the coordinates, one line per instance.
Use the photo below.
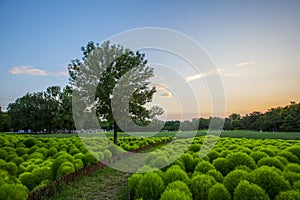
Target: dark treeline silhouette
(51, 111)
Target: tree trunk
(115, 132)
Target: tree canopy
(114, 81)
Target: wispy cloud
(243, 64)
(231, 74)
(166, 94)
(203, 75)
(28, 70)
(32, 71)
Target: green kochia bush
(271, 162)
(289, 195)
(133, 182)
(216, 174)
(175, 173)
(247, 191)
(232, 179)
(65, 168)
(13, 192)
(200, 185)
(289, 156)
(218, 191)
(204, 167)
(257, 155)
(58, 161)
(222, 165)
(236, 159)
(29, 180)
(269, 180)
(182, 187)
(150, 186)
(174, 194)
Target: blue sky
(254, 44)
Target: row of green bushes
(234, 169)
(29, 163)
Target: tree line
(51, 111)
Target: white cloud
(232, 74)
(29, 70)
(204, 74)
(243, 64)
(166, 94)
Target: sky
(253, 45)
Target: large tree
(117, 75)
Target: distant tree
(105, 65)
(252, 121)
(4, 121)
(291, 117)
(50, 110)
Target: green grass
(237, 134)
(106, 183)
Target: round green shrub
(291, 176)
(3, 154)
(289, 195)
(18, 160)
(11, 156)
(222, 165)
(13, 192)
(296, 185)
(175, 173)
(42, 173)
(150, 186)
(271, 162)
(268, 151)
(218, 191)
(133, 182)
(293, 167)
(79, 156)
(243, 167)
(188, 162)
(283, 160)
(195, 147)
(58, 161)
(43, 151)
(37, 155)
(257, 155)
(294, 150)
(52, 151)
(216, 174)
(236, 159)
(107, 154)
(89, 159)
(29, 180)
(29, 142)
(99, 155)
(289, 156)
(11, 168)
(213, 155)
(247, 191)
(78, 164)
(174, 194)
(204, 167)
(200, 185)
(269, 180)
(181, 186)
(65, 168)
(233, 178)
